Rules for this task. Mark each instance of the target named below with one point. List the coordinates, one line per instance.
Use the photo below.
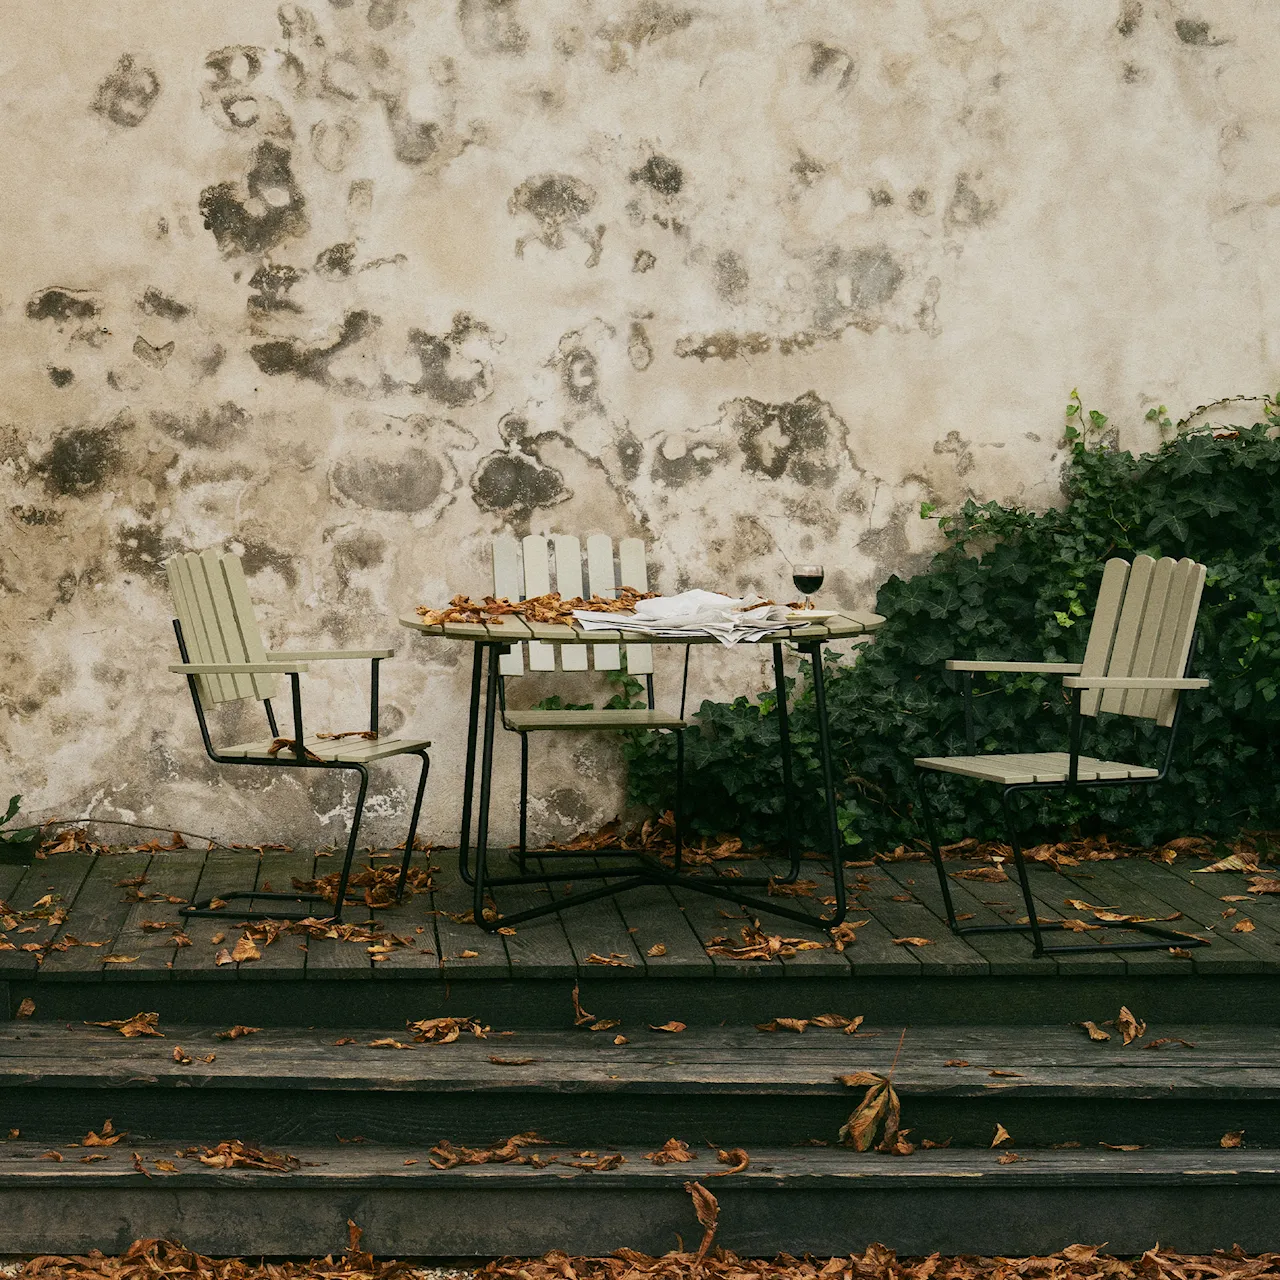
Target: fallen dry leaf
(736, 1157)
(929, 1145)
(94, 1158)
(580, 1016)
(605, 1024)
(1009, 1157)
(1160, 1044)
(1081, 1252)
(52, 1155)
(1001, 1135)
(1095, 1031)
(673, 1027)
(141, 1024)
(107, 1138)
(1261, 884)
(118, 959)
(388, 1042)
(1122, 1146)
(166, 1166)
(621, 1040)
(446, 1030)
(673, 1151)
(346, 1040)
(466, 955)
(1005, 1073)
(234, 1033)
(956, 1062)
(658, 949)
(26, 1008)
(913, 942)
(446, 1156)
(136, 1156)
(239, 1155)
(1230, 1140)
(1244, 861)
(245, 950)
(1243, 926)
(513, 1062)
(1129, 1026)
(223, 957)
(615, 958)
(707, 1207)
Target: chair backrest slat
(508, 581)
(526, 568)
(1144, 649)
(602, 581)
(1142, 626)
(1102, 630)
(568, 551)
(1185, 607)
(537, 582)
(1132, 611)
(212, 602)
(633, 572)
(246, 621)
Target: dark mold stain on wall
(448, 376)
(828, 62)
(676, 461)
(731, 276)
(725, 345)
(409, 482)
(63, 305)
(491, 26)
(853, 284)
(786, 439)
(60, 377)
(1130, 17)
(272, 282)
(81, 459)
(645, 23)
(413, 141)
(661, 175)
(143, 549)
(207, 428)
(579, 373)
(257, 556)
(557, 202)
(967, 207)
(155, 303)
(127, 95)
(155, 357)
(336, 262)
(288, 355)
(273, 210)
(1195, 31)
(514, 485)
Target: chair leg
(678, 834)
(1019, 862)
(931, 827)
(344, 879)
(413, 823)
(523, 850)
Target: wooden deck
(645, 952)
(335, 1079)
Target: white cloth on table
(728, 619)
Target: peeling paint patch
(127, 95)
(271, 212)
(723, 346)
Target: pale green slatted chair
(1136, 663)
(224, 660)
(526, 568)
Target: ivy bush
(1016, 584)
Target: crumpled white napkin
(729, 619)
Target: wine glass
(808, 579)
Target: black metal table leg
(784, 741)
(469, 779)
(486, 777)
(836, 841)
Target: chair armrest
(1133, 682)
(327, 655)
(1044, 668)
(237, 668)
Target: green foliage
(24, 836)
(1020, 585)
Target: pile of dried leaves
(379, 885)
(656, 836)
(544, 608)
(167, 1260)
(446, 1156)
(758, 945)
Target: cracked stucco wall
(351, 288)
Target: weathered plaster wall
(353, 287)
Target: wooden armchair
(224, 660)
(1137, 663)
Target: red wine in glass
(808, 579)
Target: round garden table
(492, 639)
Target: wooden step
(730, 1086)
(821, 1201)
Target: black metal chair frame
(297, 759)
(1162, 938)
(645, 868)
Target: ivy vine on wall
(1016, 584)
